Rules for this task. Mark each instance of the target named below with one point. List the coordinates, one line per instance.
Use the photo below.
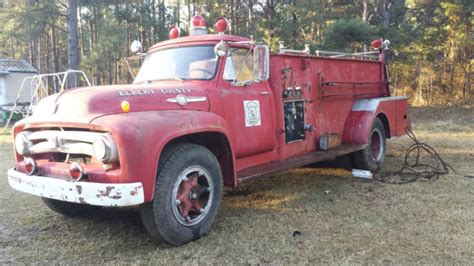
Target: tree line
(432, 41)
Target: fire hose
(414, 168)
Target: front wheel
(187, 195)
(372, 157)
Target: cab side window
(239, 65)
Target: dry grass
(342, 219)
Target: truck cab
(204, 111)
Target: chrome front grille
(68, 142)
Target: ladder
(38, 85)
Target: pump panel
(294, 120)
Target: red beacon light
(198, 25)
(174, 32)
(221, 25)
(377, 43)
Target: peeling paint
(105, 193)
(99, 194)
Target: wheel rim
(192, 195)
(376, 145)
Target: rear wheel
(372, 157)
(68, 208)
(187, 195)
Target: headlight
(104, 149)
(22, 144)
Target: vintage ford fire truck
(204, 111)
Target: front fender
(141, 137)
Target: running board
(279, 166)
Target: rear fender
(392, 111)
(357, 127)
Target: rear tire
(68, 209)
(187, 195)
(372, 157)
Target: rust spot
(79, 189)
(82, 200)
(105, 193)
(135, 191)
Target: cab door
(248, 105)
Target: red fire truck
(204, 111)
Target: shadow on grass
(275, 193)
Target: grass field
(341, 219)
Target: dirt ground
(341, 219)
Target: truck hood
(85, 104)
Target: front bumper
(100, 194)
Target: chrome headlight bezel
(22, 144)
(104, 149)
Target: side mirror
(220, 49)
(136, 46)
(261, 63)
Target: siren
(198, 25)
(174, 32)
(221, 25)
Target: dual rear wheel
(372, 157)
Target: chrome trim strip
(71, 148)
(371, 105)
(187, 99)
(83, 136)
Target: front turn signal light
(75, 171)
(30, 166)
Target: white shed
(12, 73)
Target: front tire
(372, 157)
(187, 195)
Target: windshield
(192, 62)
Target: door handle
(265, 93)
